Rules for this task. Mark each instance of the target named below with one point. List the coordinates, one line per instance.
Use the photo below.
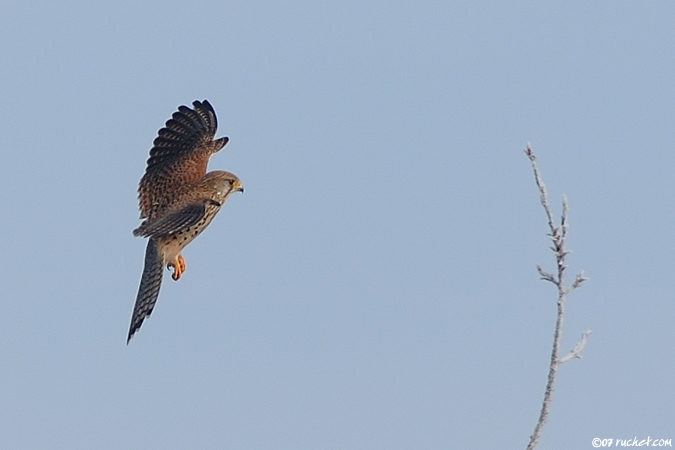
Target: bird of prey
(177, 198)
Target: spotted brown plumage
(177, 198)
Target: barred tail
(149, 288)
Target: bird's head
(221, 184)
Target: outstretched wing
(179, 156)
(189, 216)
(148, 291)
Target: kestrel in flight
(177, 198)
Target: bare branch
(576, 351)
(577, 282)
(563, 218)
(558, 236)
(546, 276)
(543, 197)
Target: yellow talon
(178, 267)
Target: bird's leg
(178, 266)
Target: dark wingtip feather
(220, 143)
(183, 133)
(207, 113)
(204, 104)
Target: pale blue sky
(375, 286)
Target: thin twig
(546, 276)
(577, 282)
(558, 237)
(542, 188)
(576, 351)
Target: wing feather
(188, 216)
(186, 132)
(178, 157)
